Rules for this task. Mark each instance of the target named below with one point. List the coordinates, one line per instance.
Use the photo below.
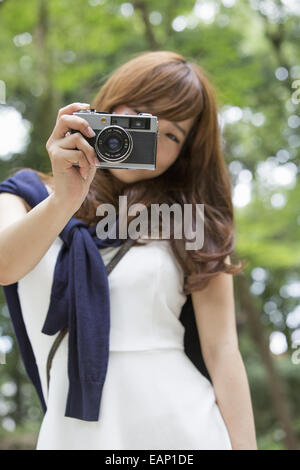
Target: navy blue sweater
(79, 300)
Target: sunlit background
(250, 48)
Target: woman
(153, 396)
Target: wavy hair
(168, 86)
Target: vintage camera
(122, 140)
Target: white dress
(153, 396)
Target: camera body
(122, 140)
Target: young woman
(153, 396)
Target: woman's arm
(26, 235)
(215, 319)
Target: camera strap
(114, 261)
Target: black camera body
(122, 140)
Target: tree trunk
(45, 101)
(149, 34)
(274, 381)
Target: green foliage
(76, 45)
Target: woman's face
(169, 143)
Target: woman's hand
(71, 184)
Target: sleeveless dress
(153, 396)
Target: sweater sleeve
(26, 184)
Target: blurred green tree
(58, 52)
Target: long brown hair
(168, 86)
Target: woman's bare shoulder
(15, 203)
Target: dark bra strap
(120, 253)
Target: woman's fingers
(77, 141)
(65, 159)
(66, 122)
(71, 108)
(67, 150)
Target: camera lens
(113, 144)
